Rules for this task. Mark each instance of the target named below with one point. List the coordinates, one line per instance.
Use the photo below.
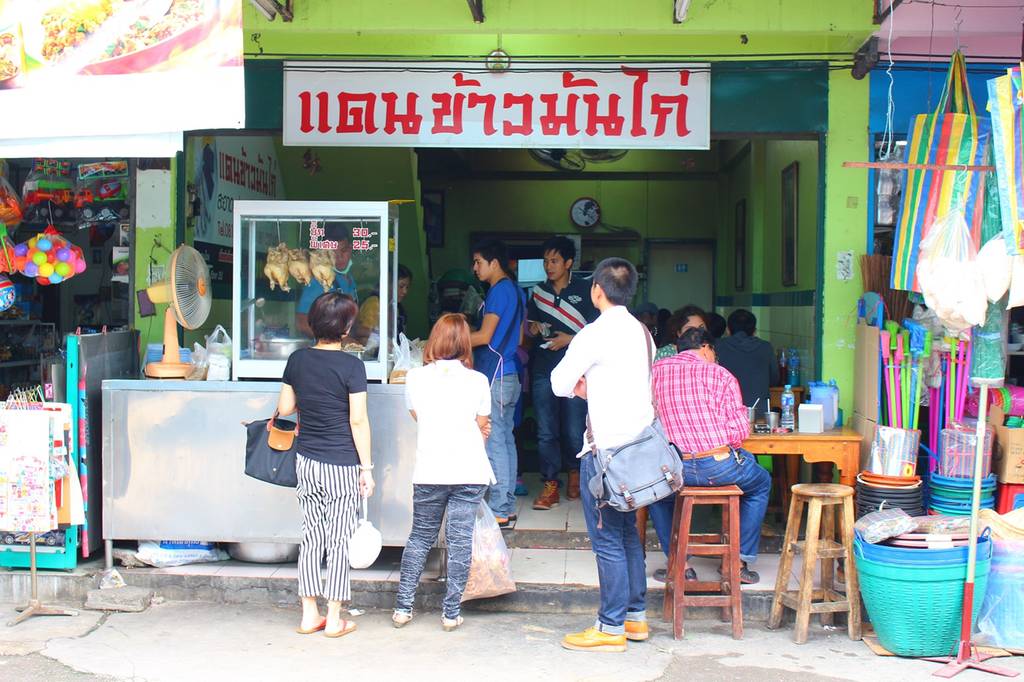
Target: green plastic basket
(915, 610)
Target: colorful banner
(433, 104)
(92, 68)
(222, 169)
(1006, 102)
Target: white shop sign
(442, 104)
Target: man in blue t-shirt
(494, 355)
(343, 282)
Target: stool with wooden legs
(725, 544)
(826, 503)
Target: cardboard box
(867, 387)
(866, 428)
(1008, 453)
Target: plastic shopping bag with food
(489, 574)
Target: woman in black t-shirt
(328, 388)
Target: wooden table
(839, 446)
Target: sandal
(400, 618)
(347, 627)
(449, 624)
(315, 628)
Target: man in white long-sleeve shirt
(607, 364)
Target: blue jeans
(501, 446)
(457, 505)
(621, 570)
(740, 469)
(560, 426)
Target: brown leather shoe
(548, 497)
(573, 489)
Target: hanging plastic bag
(950, 275)
(489, 574)
(996, 268)
(49, 258)
(10, 205)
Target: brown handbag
(281, 433)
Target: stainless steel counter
(174, 461)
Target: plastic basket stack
(875, 491)
(952, 496)
(914, 593)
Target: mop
(920, 344)
(899, 380)
(884, 342)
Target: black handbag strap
(270, 422)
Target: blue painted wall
(917, 92)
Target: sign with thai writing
(441, 104)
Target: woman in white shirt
(452, 405)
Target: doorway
(680, 271)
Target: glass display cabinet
(286, 254)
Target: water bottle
(788, 419)
(793, 368)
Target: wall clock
(585, 212)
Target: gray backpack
(640, 472)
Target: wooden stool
(820, 545)
(725, 544)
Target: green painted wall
(509, 192)
(845, 221)
(566, 27)
(156, 211)
(778, 154)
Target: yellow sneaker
(637, 630)
(593, 639)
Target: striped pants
(329, 499)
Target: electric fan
(188, 296)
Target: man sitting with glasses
(701, 407)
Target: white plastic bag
(489, 574)
(403, 360)
(153, 554)
(218, 355)
(200, 364)
(1016, 283)
(950, 274)
(219, 342)
(220, 368)
(996, 268)
(365, 544)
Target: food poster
(27, 503)
(96, 51)
(221, 170)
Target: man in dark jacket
(750, 359)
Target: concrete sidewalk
(198, 641)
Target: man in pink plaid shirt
(701, 407)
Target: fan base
(168, 370)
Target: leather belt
(724, 450)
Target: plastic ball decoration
(7, 293)
(48, 257)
